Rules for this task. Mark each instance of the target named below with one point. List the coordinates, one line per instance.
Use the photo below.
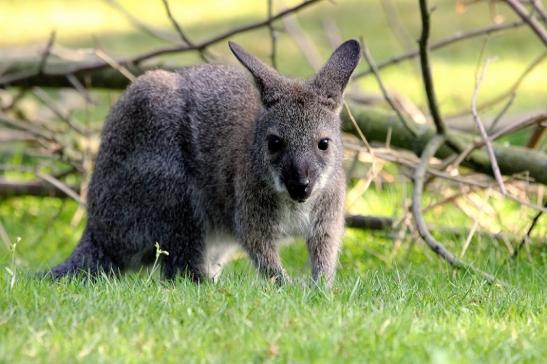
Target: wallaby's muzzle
(299, 190)
(299, 182)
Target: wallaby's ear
(269, 82)
(331, 80)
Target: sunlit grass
(414, 310)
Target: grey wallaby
(210, 155)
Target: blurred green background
(79, 23)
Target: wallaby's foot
(171, 270)
(267, 261)
(87, 259)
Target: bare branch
(483, 133)
(305, 44)
(502, 112)
(529, 232)
(441, 44)
(530, 20)
(426, 69)
(387, 97)
(51, 105)
(185, 40)
(37, 188)
(115, 64)
(511, 90)
(138, 24)
(46, 53)
(273, 36)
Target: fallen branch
(512, 160)
(419, 177)
(58, 77)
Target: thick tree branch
(26, 77)
(377, 125)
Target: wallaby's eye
(275, 144)
(323, 144)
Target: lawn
(393, 301)
(415, 310)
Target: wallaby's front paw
(281, 279)
(322, 281)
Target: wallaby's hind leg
(86, 258)
(185, 244)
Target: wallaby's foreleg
(88, 257)
(324, 240)
(265, 257)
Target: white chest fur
(295, 220)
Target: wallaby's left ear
(331, 80)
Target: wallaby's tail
(88, 257)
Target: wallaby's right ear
(269, 82)
(331, 80)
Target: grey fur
(191, 160)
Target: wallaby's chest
(294, 220)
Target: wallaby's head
(297, 137)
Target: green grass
(409, 313)
(387, 305)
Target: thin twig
(502, 112)
(273, 36)
(46, 53)
(530, 20)
(51, 105)
(222, 36)
(511, 90)
(61, 186)
(387, 97)
(138, 24)
(538, 7)
(510, 128)
(359, 131)
(115, 64)
(80, 88)
(441, 44)
(482, 130)
(529, 232)
(185, 40)
(304, 42)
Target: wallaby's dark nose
(300, 189)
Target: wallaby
(210, 155)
